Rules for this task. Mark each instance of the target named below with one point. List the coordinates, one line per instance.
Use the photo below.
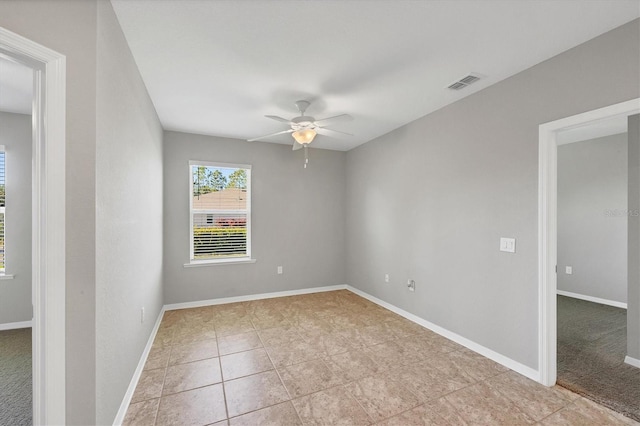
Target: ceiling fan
(305, 128)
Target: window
(220, 212)
(2, 207)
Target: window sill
(7, 276)
(198, 263)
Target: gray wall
(128, 216)
(15, 294)
(633, 309)
(297, 219)
(69, 27)
(430, 200)
(592, 224)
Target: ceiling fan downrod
(302, 106)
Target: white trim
(225, 261)
(48, 223)
(593, 299)
(15, 325)
(632, 361)
(482, 350)
(548, 228)
(222, 301)
(122, 411)
(219, 165)
(7, 276)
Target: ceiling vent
(464, 82)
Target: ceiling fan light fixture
(304, 136)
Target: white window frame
(226, 260)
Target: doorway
(593, 187)
(48, 222)
(16, 100)
(548, 225)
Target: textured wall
(592, 226)
(15, 294)
(297, 219)
(430, 200)
(69, 27)
(128, 216)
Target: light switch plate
(508, 245)
(568, 270)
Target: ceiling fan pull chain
(306, 156)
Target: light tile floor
(332, 358)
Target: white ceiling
(16, 87)
(217, 67)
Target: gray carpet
(592, 344)
(15, 378)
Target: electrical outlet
(411, 284)
(568, 270)
(386, 278)
(279, 270)
(142, 315)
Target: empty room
(315, 212)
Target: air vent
(457, 86)
(464, 82)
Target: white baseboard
(592, 299)
(15, 325)
(632, 361)
(137, 373)
(486, 352)
(211, 302)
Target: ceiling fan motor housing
(302, 122)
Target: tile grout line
(155, 421)
(364, 410)
(280, 378)
(397, 381)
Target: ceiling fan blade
(330, 132)
(275, 117)
(296, 146)
(334, 118)
(272, 134)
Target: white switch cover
(386, 278)
(568, 270)
(508, 245)
(279, 270)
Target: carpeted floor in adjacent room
(15, 378)
(592, 344)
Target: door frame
(548, 228)
(48, 222)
